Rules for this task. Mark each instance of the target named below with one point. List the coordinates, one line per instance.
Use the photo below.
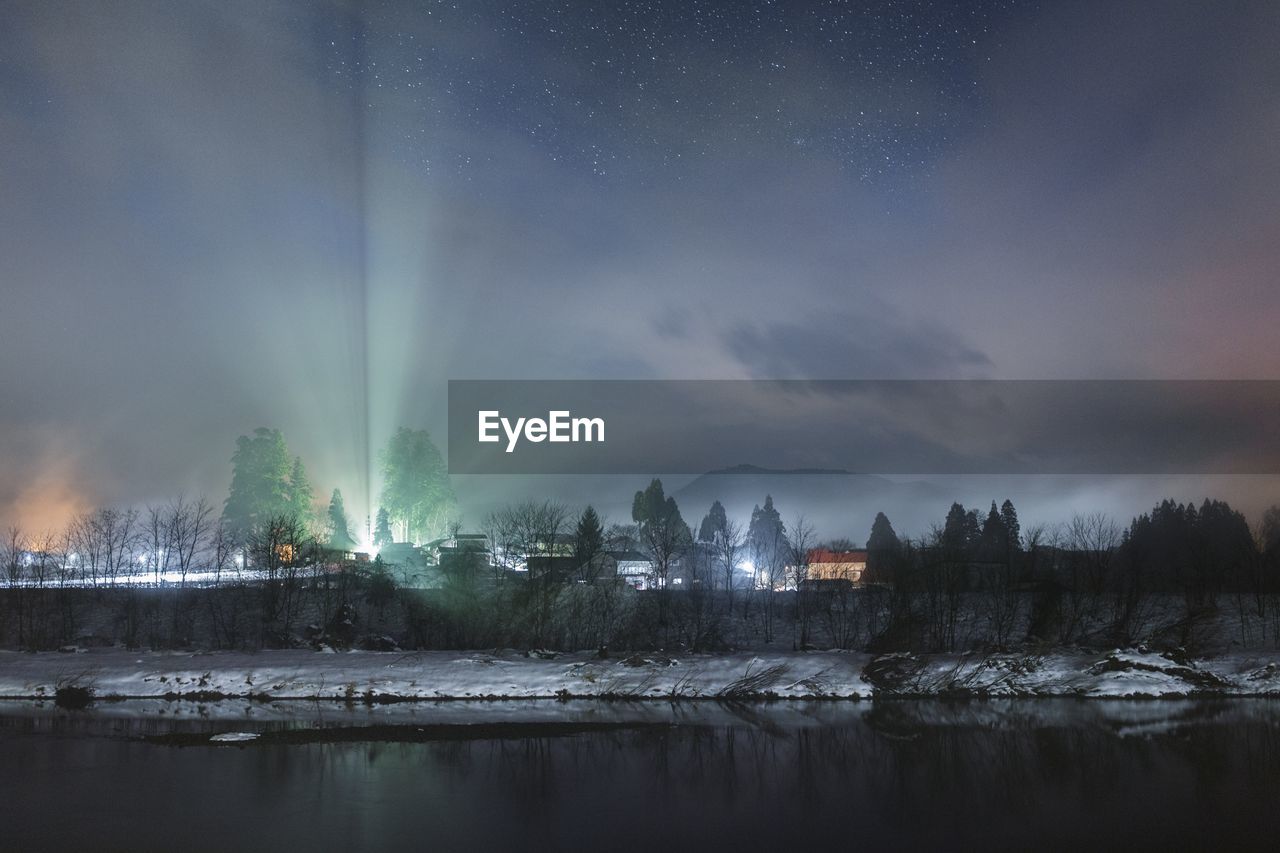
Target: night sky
(215, 216)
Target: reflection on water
(1013, 775)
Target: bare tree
(1002, 586)
(1252, 587)
(15, 554)
(531, 535)
(223, 552)
(800, 541)
(769, 553)
(1084, 549)
(499, 526)
(728, 545)
(1089, 543)
(665, 540)
(193, 524)
(1131, 585)
(15, 550)
(41, 568)
(944, 571)
(105, 545)
(64, 572)
(281, 549)
(227, 604)
(526, 530)
(159, 533)
(1095, 536)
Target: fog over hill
(842, 504)
(837, 503)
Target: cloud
(671, 323)
(1108, 217)
(202, 231)
(880, 343)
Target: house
(328, 559)
(556, 545)
(406, 562)
(400, 554)
(633, 568)
(552, 569)
(828, 565)
(461, 551)
(619, 565)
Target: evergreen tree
(663, 531)
(767, 543)
(972, 528)
(261, 487)
(301, 498)
(767, 528)
(653, 506)
(416, 491)
(1269, 531)
(1193, 551)
(883, 537)
(994, 537)
(339, 527)
(712, 523)
(955, 530)
(382, 529)
(1222, 544)
(588, 539)
(1013, 530)
(883, 548)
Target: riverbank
(384, 677)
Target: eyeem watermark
(896, 427)
(559, 426)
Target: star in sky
(637, 90)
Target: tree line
(267, 481)
(974, 579)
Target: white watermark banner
(871, 426)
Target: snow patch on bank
(234, 737)
(374, 677)
(385, 676)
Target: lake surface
(1043, 774)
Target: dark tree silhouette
(961, 531)
(261, 484)
(662, 530)
(712, 523)
(588, 543)
(883, 548)
(301, 496)
(382, 528)
(339, 527)
(1013, 530)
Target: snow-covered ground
(372, 677)
(382, 676)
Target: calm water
(917, 775)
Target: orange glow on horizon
(46, 505)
